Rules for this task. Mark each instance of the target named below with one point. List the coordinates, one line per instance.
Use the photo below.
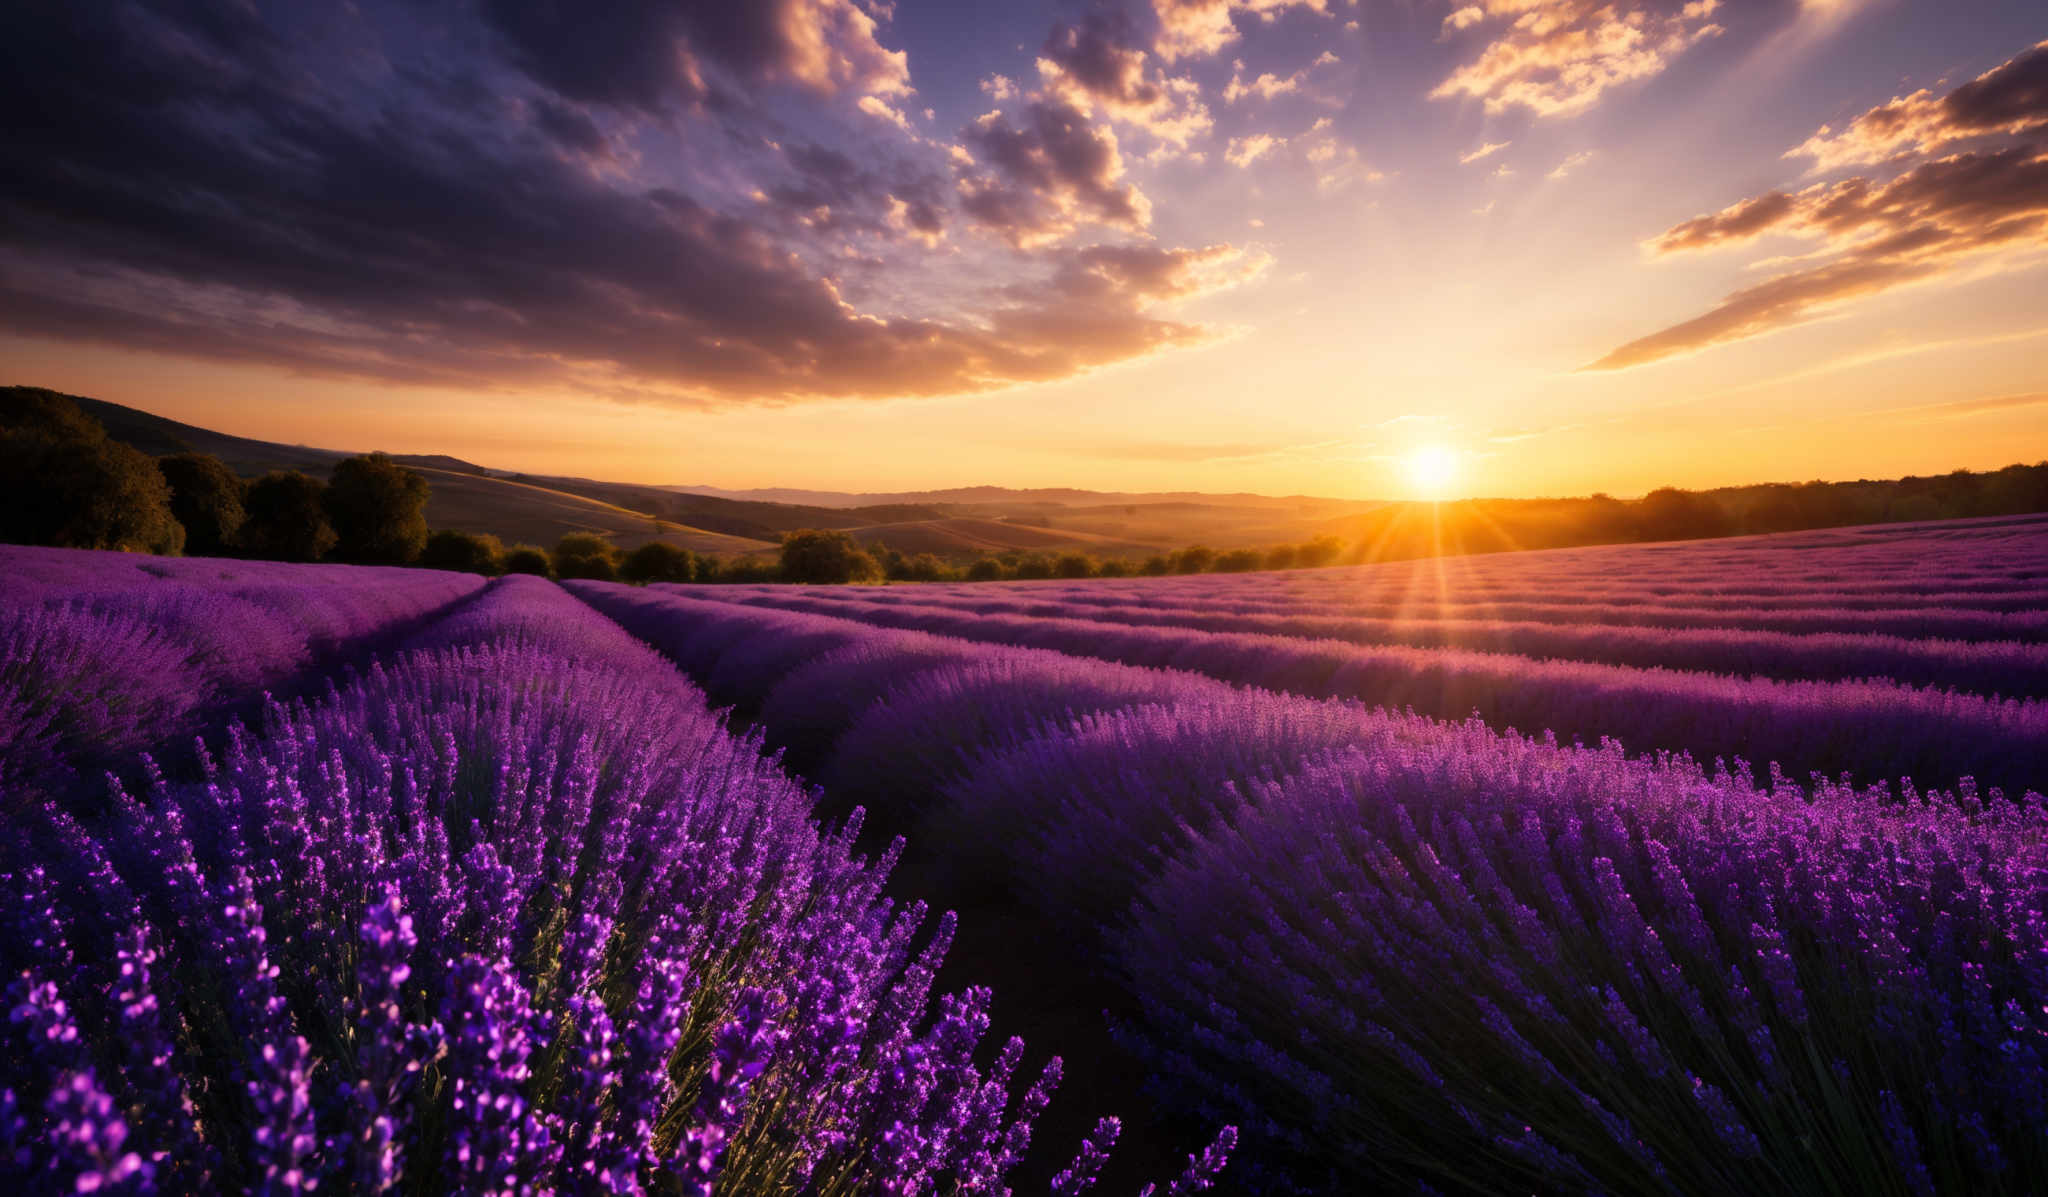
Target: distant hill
(957, 523)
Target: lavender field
(1715, 867)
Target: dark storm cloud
(185, 177)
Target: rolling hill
(958, 523)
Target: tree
(1668, 513)
(1074, 565)
(1318, 552)
(1282, 556)
(1158, 565)
(378, 509)
(63, 483)
(465, 552)
(1113, 567)
(1238, 561)
(826, 557)
(586, 555)
(1032, 567)
(985, 569)
(528, 559)
(656, 561)
(287, 520)
(1194, 559)
(206, 497)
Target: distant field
(1699, 867)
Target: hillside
(958, 523)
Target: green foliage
(1032, 567)
(466, 552)
(985, 569)
(1074, 565)
(586, 555)
(826, 557)
(1318, 552)
(378, 509)
(1194, 559)
(528, 559)
(63, 483)
(206, 497)
(1113, 567)
(657, 561)
(287, 520)
(1156, 566)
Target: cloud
(1199, 28)
(360, 192)
(649, 54)
(1571, 164)
(1049, 175)
(1098, 64)
(1491, 147)
(1930, 221)
(1243, 151)
(1267, 85)
(2010, 98)
(1960, 409)
(1558, 57)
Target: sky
(1353, 248)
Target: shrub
(378, 509)
(287, 519)
(206, 497)
(657, 561)
(64, 484)
(528, 559)
(586, 555)
(467, 552)
(826, 557)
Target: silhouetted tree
(1113, 567)
(528, 559)
(1238, 561)
(1281, 556)
(286, 519)
(1194, 559)
(826, 557)
(1668, 513)
(378, 509)
(586, 555)
(465, 552)
(1318, 552)
(985, 569)
(1073, 565)
(1032, 567)
(63, 483)
(206, 497)
(657, 561)
(1157, 565)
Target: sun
(1432, 469)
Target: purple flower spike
(1080, 1175)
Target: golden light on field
(1432, 469)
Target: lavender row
(91, 675)
(2003, 668)
(513, 914)
(1404, 952)
(2029, 625)
(1874, 730)
(1501, 968)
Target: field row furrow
(1874, 729)
(1404, 951)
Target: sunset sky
(1271, 245)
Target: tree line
(65, 482)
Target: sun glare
(1431, 470)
